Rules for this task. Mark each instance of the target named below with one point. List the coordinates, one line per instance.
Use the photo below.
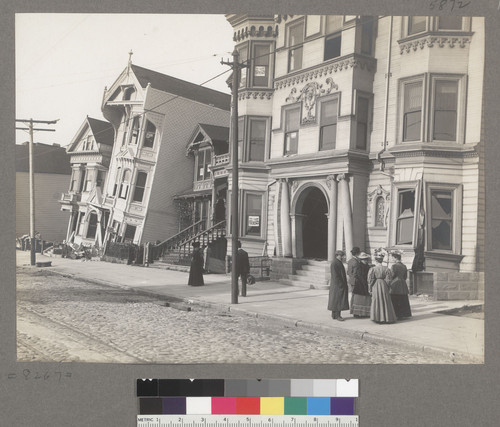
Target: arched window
(92, 227)
(380, 212)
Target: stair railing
(204, 238)
(176, 240)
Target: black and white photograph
(260, 189)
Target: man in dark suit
(338, 295)
(242, 268)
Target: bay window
(134, 137)
(431, 108)
(125, 184)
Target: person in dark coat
(351, 265)
(399, 288)
(361, 300)
(338, 295)
(242, 268)
(196, 270)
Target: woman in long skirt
(381, 310)
(399, 289)
(361, 300)
(196, 270)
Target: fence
(128, 252)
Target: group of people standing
(378, 292)
(200, 265)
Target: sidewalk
(304, 308)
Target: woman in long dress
(361, 300)
(379, 276)
(399, 289)
(196, 270)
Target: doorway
(314, 224)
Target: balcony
(70, 198)
(221, 160)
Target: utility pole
(236, 66)
(31, 129)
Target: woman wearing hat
(399, 289)
(361, 300)
(379, 276)
(196, 270)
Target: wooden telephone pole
(31, 129)
(236, 66)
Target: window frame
(408, 25)
(457, 203)
(295, 47)
(90, 226)
(329, 37)
(244, 222)
(254, 46)
(206, 171)
(321, 103)
(125, 185)
(460, 114)
(247, 142)
(438, 20)
(396, 188)
(140, 189)
(421, 78)
(145, 132)
(126, 239)
(369, 117)
(284, 113)
(138, 118)
(243, 82)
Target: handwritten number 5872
(440, 4)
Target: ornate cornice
(308, 96)
(255, 94)
(435, 153)
(344, 63)
(247, 32)
(433, 39)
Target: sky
(64, 61)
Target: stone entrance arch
(310, 212)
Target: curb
(285, 321)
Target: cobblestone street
(64, 319)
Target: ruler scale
(247, 421)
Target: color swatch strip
(245, 405)
(248, 388)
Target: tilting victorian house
(130, 172)
(363, 131)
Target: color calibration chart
(247, 403)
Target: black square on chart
(147, 387)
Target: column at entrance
(345, 200)
(286, 232)
(331, 182)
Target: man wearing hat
(338, 295)
(352, 264)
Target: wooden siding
(174, 171)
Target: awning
(193, 194)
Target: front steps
(313, 275)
